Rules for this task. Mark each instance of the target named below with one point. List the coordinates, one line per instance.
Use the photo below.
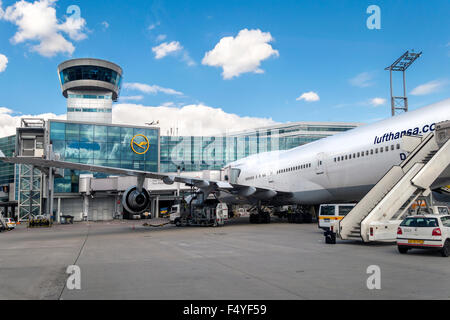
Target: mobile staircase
(373, 217)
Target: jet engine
(135, 202)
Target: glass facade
(104, 145)
(90, 73)
(194, 153)
(7, 146)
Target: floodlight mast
(400, 103)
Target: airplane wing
(207, 186)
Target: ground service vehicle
(182, 215)
(329, 213)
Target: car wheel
(445, 252)
(402, 249)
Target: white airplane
(342, 167)
(339, 168)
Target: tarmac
(125, 260)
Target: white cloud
(377, 101)
(168, 104)
(131, 98)
(196, 119)
(172, 48)
(429, 87)
(241, 54)
(37, 22)
(74, 28)
(187, 58)
(362, 80)
(3, 62)
(310, 96)
(105, 25)
(10, 121)
(153, 26)
(154, 89)
(166, 48)
(161, 37)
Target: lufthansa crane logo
(140, 144)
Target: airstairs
(397, 190)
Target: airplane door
(270, 177)
(320, 163)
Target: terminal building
(88, 136)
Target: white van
(331, 212)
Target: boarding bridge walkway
(397, 190)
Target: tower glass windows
(90, 73)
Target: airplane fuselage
(343, 167)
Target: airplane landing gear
(295, 218)
(300, 216)
(260, 217)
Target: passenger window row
(296, 168)
(366, 153)
(262, 175)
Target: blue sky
(323, 47)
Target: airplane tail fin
(2, 155)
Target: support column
(86, 207)
(178, 184)
(47, 195)
(50, 193)
(157, 207)
(116, 206)
(30, 215)
(58, 213)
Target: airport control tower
(90, 86)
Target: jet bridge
(387, 203)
